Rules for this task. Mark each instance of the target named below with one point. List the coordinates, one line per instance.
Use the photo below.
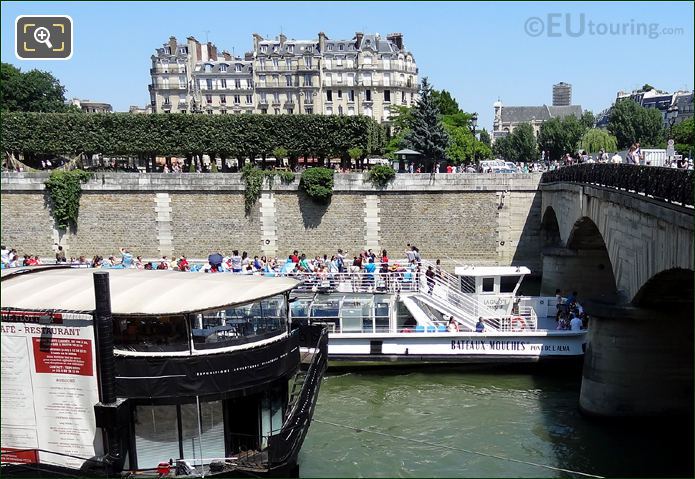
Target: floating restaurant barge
(153, 373)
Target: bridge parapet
(667, 184)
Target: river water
(529, 417)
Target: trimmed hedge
(180, 135)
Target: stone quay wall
(458, 218)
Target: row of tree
(224, 136)
(628, 123)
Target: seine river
(528, 417)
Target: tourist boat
(397, 318)
(153, 373)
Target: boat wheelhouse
(155, 373)
(404, 316)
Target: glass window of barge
(242, 324)
(151, 333)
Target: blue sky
(477, 51)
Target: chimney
(358, 39)
(172, 45)
(226, 55)
(396, 38)
(212, 51)
(322, 41)
(193, 49)
(256, 40)
(283, 39)
(248, 56)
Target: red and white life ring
(518, 323)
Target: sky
(478, 51)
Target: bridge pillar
(638, 362)
(587, 271)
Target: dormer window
(223, 67)
(309, 48)
(341, 47)
(208, 68)
(330, 47)
(237, 67)
(264, 48)
(290, 48)
(275, 48)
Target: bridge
(622, 237)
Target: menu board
(49, 389)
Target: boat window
(508, 283)
(468, 284)
(150, 333)
(488, 285)
(382, 309)
(326, 310)
(208, 440)
(405, 320)
(356, 314)
(156, 434)
(251, 322)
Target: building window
(288, 80)
(368, 95)
(237, 99)
(208, 99)
(387, 79)
(276, 80)
(249, 99)
(223, 112)
(367, 60)
(237, 67)
(309, 110)
(165, 83)
(308, 60)
(351, 95)
(403, 97)
(264, 111)
(310, 49)
(208, 84)
(223, 83)
(182, 82)
(262, 63)
(340, 94)
(290, 111)
(183, 50)
(223, 67)
(275, 48)
(351, 111)
(237, 83)
(307, 80)
(276, 97)
(329, 95)
(339, 61)
(261, 80)
(276, 62)
(341, 47)
(166, 100)
(330, 47)
(309, 98)
(264, 48)
(249, 83)
(387, 95)
(367, 111)
(339, 78)
(387, 63)
(223, 99)
(209, 112)
(277, 111)
(329, 110)
(290, 48)
(263, 98)
(208, 68)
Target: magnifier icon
(42, 35)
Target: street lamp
(671, 115)
(474, 124)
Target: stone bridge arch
(641, 238)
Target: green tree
(683, 135)
(485, 137)
(461, 149)
(630, 123)
(524, 143)
(646, 87)
(588, 119)
(559, 136)
(34, 90)
(445, 102)
(459, 120)
(427, 134)
(597, 139)
(503, 148)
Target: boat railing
(377, 282)
(524, 319)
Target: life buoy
(518, 323)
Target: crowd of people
(570, 314)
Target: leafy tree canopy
(35, 91)
(630, 123)
(559, 136)
(427, 135)
(445, 102)
(596, 139)
(683, 135)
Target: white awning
(137, 291)
(491, 270)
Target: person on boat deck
(430, 279)
(370, 268)
(452, 327)
(563, 324)
(559, 299)
(480, 326)
(576, 323)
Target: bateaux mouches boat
(402, 317)
(153, 373)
